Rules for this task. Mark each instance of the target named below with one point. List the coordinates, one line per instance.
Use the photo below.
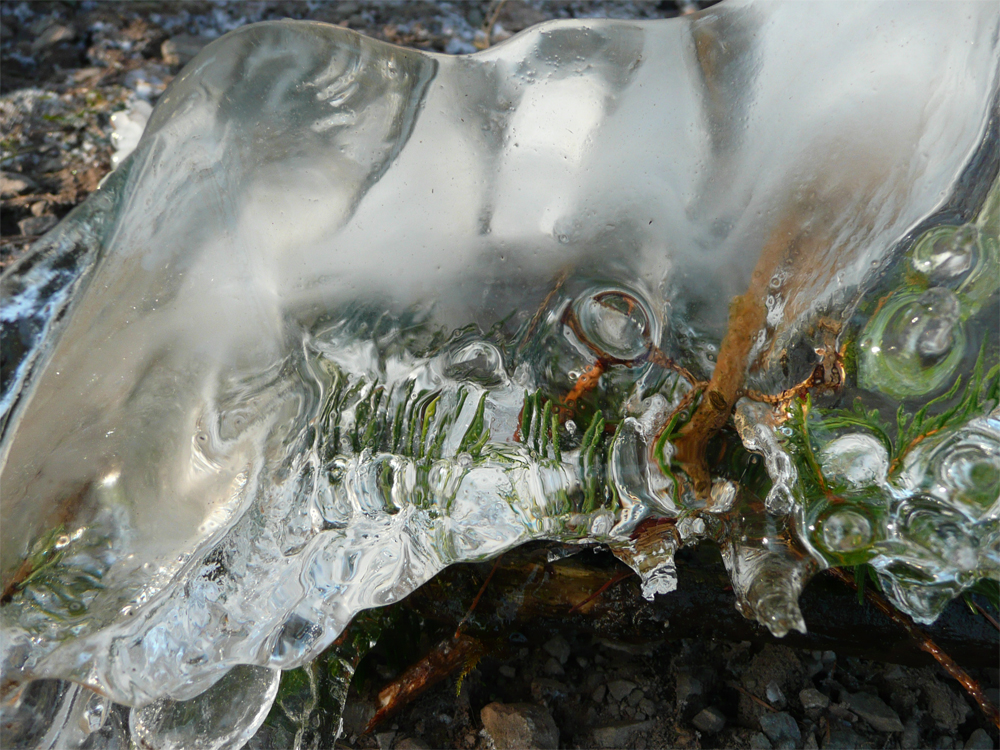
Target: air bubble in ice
(615, 322)
(846, 531)
(858, 459)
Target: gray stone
(944, 742)
(35, 225)
(709, 720)
(599, 692)
(635, 697)
(810, 743)
(945, 706)
(508, 671)
(845, 738)
(813, 699)
(558, 648)
(911, 733)
(621, 688)
(689, 688)
(780, 726)
(774, 695)
(12, 183)
(180, 49)
(553, 668)
(512, 726)
(385, 739)
(620, 733)
(979, 740)
(760, 742)
(874, 710)
(545, 689)
(53, 35)
(412, 743)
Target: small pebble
(558, 648)
(780, 726)
(979, 740)
(774, 695)
(710, 720)
(508, 671)
(599, 693)
(553, 668)
(760, 742)
(813, 699)
(621, 688)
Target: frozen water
(351, 313)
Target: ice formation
(351, 313)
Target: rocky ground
(69, 67)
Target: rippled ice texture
(313, 332)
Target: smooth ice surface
(319, 336)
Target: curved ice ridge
(290, 361)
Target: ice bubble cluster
(351, 313)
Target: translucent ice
(350, 313)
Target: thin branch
(926, 644)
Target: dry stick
(607, 584)
(750, 695)
(987, 615)
(482, 590)
(926, 644)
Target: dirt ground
(68, 67)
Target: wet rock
(12, 183)
(774, 695)
(619, 689)
(813, 700)
(944, 705)
(979, 740)
(545, 689)
(512, 726)
(180, 49)
(709, 720)
(690, 689)
(553, 668)
(874, 710)
(911, 732)
(36, 225)
(845, 738)
(780, 728)
(558, 648)
(620, 734)
(53, 35)
(760, 742)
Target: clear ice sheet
(307, 345)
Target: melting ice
(351, 313)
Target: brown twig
(750, 695)
(607, 584)
(987, 615)
(482, 590)
(435, 666)
(926, 644)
